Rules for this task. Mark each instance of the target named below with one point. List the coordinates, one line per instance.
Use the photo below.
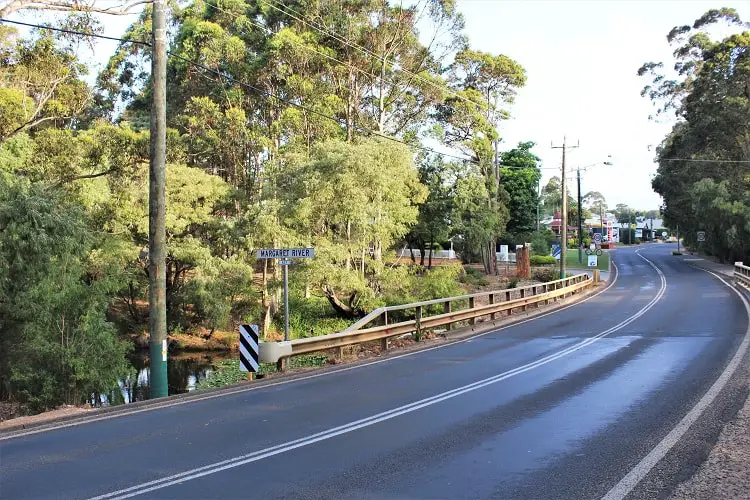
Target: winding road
(562, 406)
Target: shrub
(513, 283)
(474, 277)
(541, 260)
(540, 244)
(545, 275)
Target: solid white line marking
(636, 475)
(372, 420)
(299, 379)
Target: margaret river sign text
(285, 255)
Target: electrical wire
(265, 93)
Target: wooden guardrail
(742, 275)
(499, 302)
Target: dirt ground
(726, 473)
(8, 412)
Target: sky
(581, 59)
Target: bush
(513, 283)
(474, 277)
(545, 275)
(541, 260)
(540, 242)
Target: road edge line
(623, 488)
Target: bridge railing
(385, 323)
(742, 275)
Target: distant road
(563, 406)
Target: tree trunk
(343, 310)
(432, 245)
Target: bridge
(614, 396)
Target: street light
(580, 206)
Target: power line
(265, 93)
(74, 32)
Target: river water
(184, 371)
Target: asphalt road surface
(563, 406)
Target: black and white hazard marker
(249, 348)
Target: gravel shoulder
(726, 472)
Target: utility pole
(538, 198)
(580, 220)
(630, 226)
(564, 211)
(157, 272)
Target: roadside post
(249, 343)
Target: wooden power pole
(157, 273)
(564, 211)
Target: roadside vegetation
(280, 135)
(704, 162)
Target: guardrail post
(523, 296)
(492, 301)
(446, 310)
(384, 341)
(418, 322)
(507, 299)
(472, 321)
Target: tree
(711, 100)
(57, 346)
(552, 196)
(352, 201)
(434, 220)
(41, 84)
(596, 202)
(520, 176)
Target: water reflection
(184, 371)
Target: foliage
(226, 372)
(545, 275)
(57, 346)
(710, 99)
(474, 277)
(520, 176)
(540, 260)
(513, 282)
(541, 242)
(313, 148)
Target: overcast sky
(581, 59)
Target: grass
(572, 260)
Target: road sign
(592, 247)
(249, 348)
(701, 236)
(286, 253)
(664, 234)
(556, 250)
(597, 237)
(593, 261)
(639, 233)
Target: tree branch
(72, 6)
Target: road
(563, 406)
